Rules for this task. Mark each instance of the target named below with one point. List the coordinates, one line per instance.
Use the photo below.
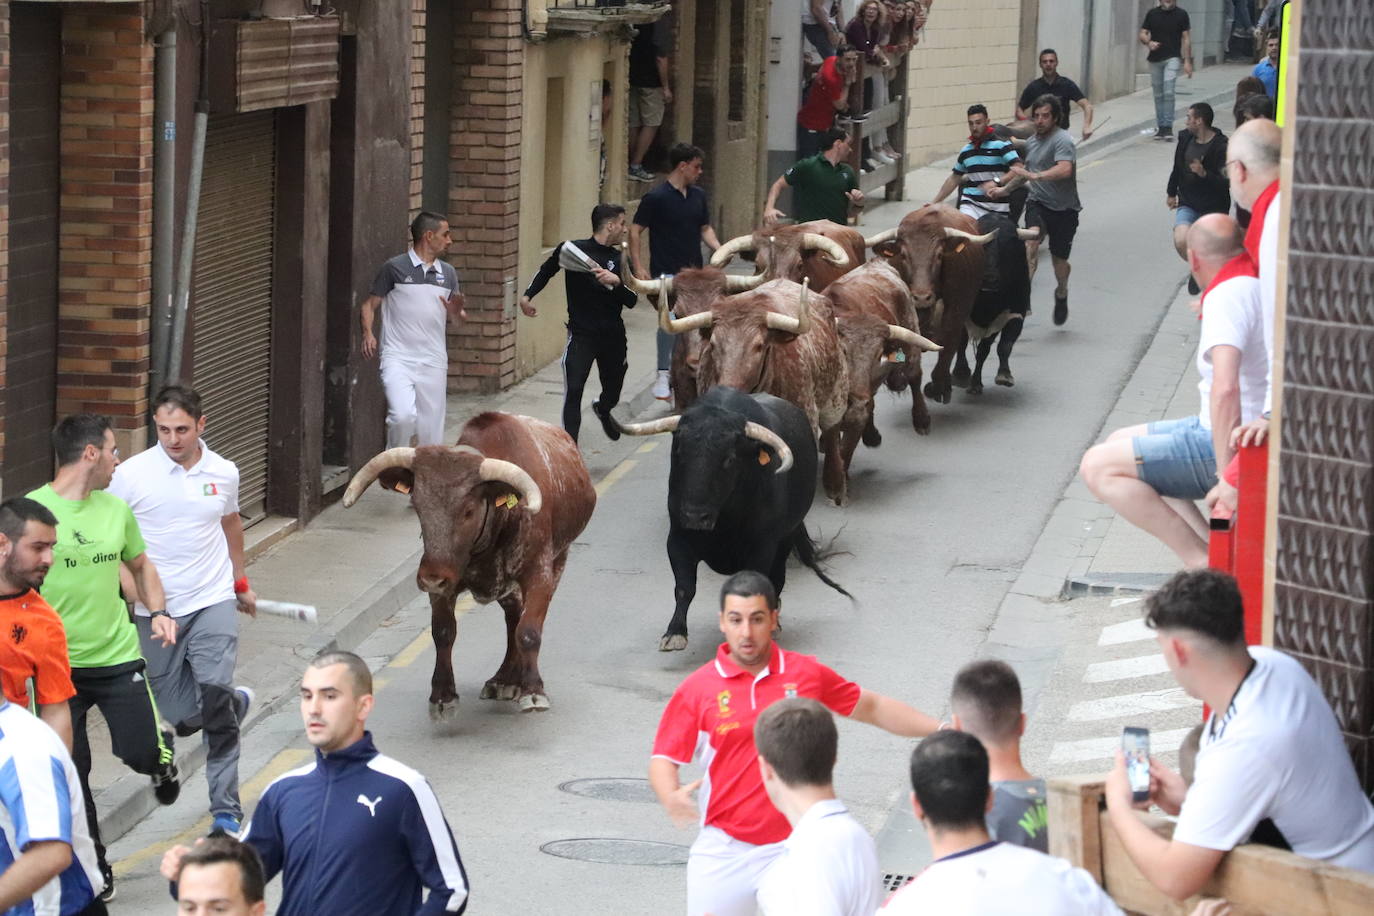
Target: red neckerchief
(988, 134)
(1242, 265)
(1256, 229)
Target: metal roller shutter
(233, 295)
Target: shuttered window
(232, 322)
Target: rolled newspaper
(302, 613)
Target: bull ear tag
(763, 457)
(402, 487)
(509, 501)
(960, 246)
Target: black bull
(1000, 309)
(733, 501)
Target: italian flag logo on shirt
(211, 490)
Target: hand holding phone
(1135, 747)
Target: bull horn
(833, 252)
(671, 325)
(761, 433)
(513, 476)
(400, 457)
(726, 252)
(743, 284)
(635, 285)
(886, 235)
(651, 427)
(1028, 234)
(908, 336)
(952, 233)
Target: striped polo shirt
(986, 161)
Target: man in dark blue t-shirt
(1167, 32)
(678, 220)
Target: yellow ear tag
(402, 488)
(960, 247)
(763, 457)
(512, 501)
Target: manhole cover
(610, 851)
(619, 788)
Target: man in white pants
(417, 292)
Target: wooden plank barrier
(1257, 880)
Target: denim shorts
(1185, 216)
(1176, 458)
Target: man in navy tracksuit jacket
(354, 831)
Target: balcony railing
(546, 16)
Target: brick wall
(106, 216)
(417, 104)
(4, 205)
(485, 196)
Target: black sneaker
(166, 784)
(1061, 308)
(1193, 288)
(108, 892)
(608, 425)
(1165, 133)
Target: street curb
(1114, 583)
(131, 795)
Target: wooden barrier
(1255, 879)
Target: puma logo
(371, 804)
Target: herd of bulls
(773, 377)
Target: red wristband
(240, 585)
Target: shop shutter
(232, 320)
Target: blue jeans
(1163, 76)
(1242, 19)
(819, 38)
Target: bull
(999, 311)
(819, 251)
(939, 255)
(779, 339)
(741, 480)
(498, 513)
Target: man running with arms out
(96, 532)
(713, 711)
(982, 164)
(596, 332)
(823, 186)
(185, 498)
(32, 641)
(1052, 170)
(354, 831)
(1054, 83)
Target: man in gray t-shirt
(1018, 814)
(1051, 168)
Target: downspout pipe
(164, 203)
(188, 233)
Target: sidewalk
(357, 566)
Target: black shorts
(1060, 225)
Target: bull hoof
(446, 711)
(961, 376)
(872, 438)
(534, 702)
(944, 397)
(975, 387)
(1004, 378)
(672, 642)
(492, 690)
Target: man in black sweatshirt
(595, 329)
(1198, 184)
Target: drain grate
(893, 883)
(615, 788)
(613, 851)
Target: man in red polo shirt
(712, 715)
(829, 93)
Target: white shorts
(723, 873)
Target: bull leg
(1009, 335)
(850, 437)
(443, 692)
(503, 685)
(684, 563)
(920, 414)
(870, 435)
(529, 634)
(961, 375)
(938, 388)
(833, 475)
(975, 385)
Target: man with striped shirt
(980, 168)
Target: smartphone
(1135, 745)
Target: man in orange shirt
(33, 643)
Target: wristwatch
(156, 614)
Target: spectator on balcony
(1273, 766)
(1152, 474)
(827, 96)
(651, 89)
(973, 873)
(818, 25)
(866, 34)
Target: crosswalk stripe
(1132, 704)
(1132, 630)
(1103, 748)
(1122, 668)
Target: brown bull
(819, 251)
(779, 339)
(498, 513)
(880, 338)
(939, 255)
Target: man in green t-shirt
(823, 186)
(96, 533)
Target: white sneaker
(883, 157)
(661, 389)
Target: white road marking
(1123, 668)
(1126, 631)
(1104, 748)
(1133, 704)
(1118, 602)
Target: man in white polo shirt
(829, 864)
(185, 499)
(416, 291)
(1272, 766)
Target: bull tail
(813, 556)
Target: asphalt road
(936, 530)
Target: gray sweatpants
(193, 683)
